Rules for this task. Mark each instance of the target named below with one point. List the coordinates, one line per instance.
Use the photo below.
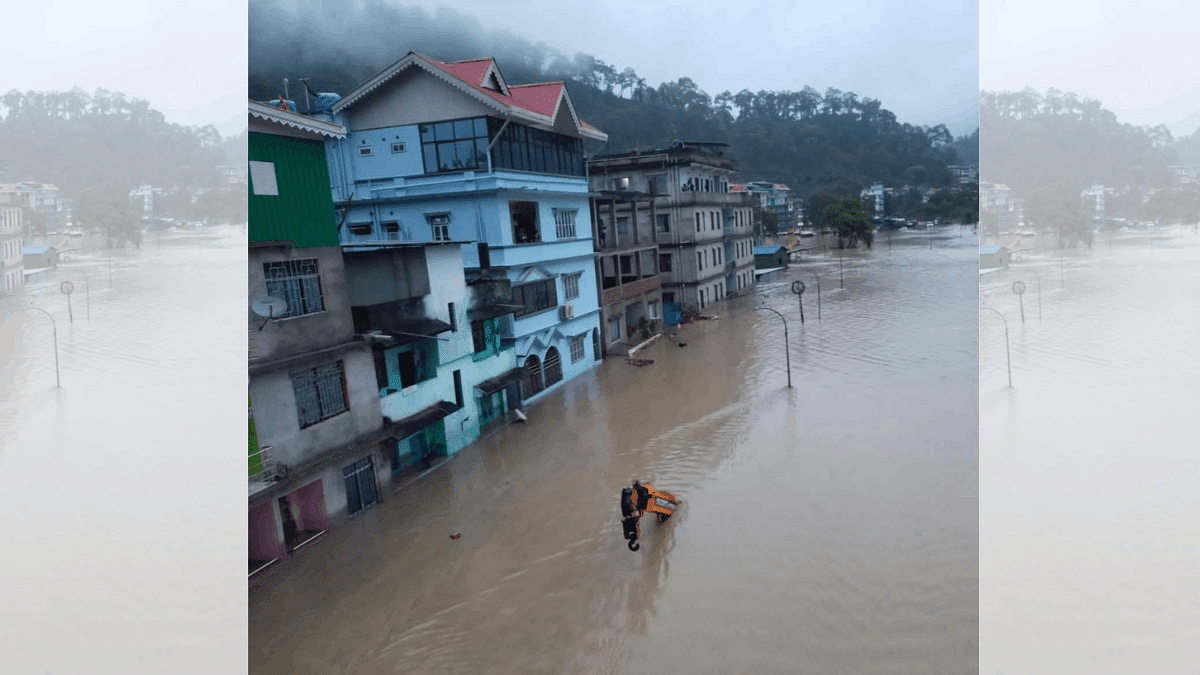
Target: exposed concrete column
(633, 221)
(612, 218)
(653, 221)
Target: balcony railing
(271, 470)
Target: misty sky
(921, 61)
(1137, 58)
(186, 57)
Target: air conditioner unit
(566, 312)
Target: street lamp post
(818, 278)
(786, 350)
(1006, 350)
(54, 326)
(1039, 278)
(841, 276)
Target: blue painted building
(446, 152)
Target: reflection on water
(119, 487)
(1088, 502)
(832, 525)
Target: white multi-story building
(12, 239)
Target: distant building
(874, 196)
(964, 174)
(774, 197)
(12, 243)
(39, 257)
(1095, 194)
(676, 200)
(993, 257)
(995, 198)
(770, 257)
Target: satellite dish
(268, 308)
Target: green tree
(849, 220)
(109, 208)
(1064, 213)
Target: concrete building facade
(442, 152)
(679, 200)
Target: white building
(11, 240)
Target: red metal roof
(541, 98)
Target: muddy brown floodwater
(827, 528)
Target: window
(391, 230)
(662, 222)
(658, 183)
(652, 309)
(366, 151)
(526, 149)
(262, 179)
(524, 222)
(698, 225)
(699, 260)
(553, 367)
(626, 264)
(620, 183)
(664, 262)
(576, 349)
(297, 282)
(397, 148)
(417, 364)
(564, 223)
(668, 297)
(535, 297)
(571, 286)
(622, 225)
(320, 393)
(440, 222)
(360, 228)
(479, 336)
(454, 146)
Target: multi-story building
(444, 375)
(12, 241)
(1095, 195)
(995, 198)
(875, 197)
(41, 198)
(444, 152)
(774, 197)
(318, 446)
(678, 200)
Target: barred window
(320, 393)
(576, 349)
(298, 282)
(571, 286)
(664, 262)
(564, 222)
(662, 222)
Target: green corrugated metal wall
(303, 210)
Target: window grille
(553, 367)
(535, 297)
(571, 286)
(298, 282)
(366, 151)
(576, 349)
(664, 262)
(564, 222)
(320, 393)
(397, 148)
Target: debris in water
(456, 535)
(641, 362)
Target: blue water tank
(324, 102)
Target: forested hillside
(1062, 143)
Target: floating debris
(456, 535)
(641, 362)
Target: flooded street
(1089, 466)
(119, 487)
(828, 528)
